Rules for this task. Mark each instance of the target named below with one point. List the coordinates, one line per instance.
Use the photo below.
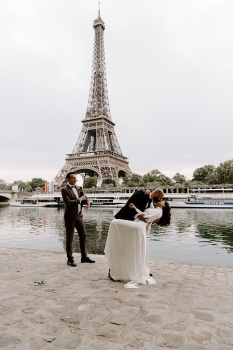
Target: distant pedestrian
(74, 199)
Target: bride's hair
(166, 216)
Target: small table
(126, 251)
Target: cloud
(169, 75)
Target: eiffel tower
(97, 152)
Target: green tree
(4, 185)
(90, 182)
(24, 186)
(224, 172)
(133, 181)
(164, 180)
(148, 178)
(158, 177)
(201, 174)
(131, 184)
(136, 178)
(109, 182)
(36, 182)
(178, 178)
(212, 179)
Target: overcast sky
(169, 67)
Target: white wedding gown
(126, 250)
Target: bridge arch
(4, 198)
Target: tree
(212, 179)
(90, 182)
(37, 182)
(164, 180)
(224, 172)
(109, 182)
(158, 177)
(133, 181)
(178, 178)
(4, 185)
(201, 174)
(148, 178)
(24, 186)
(136, 178)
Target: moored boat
(108, 200)
(199, 201)
(29, 202)
(55, 198)
(118, 200)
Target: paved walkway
(46, 304)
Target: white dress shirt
(74, 189)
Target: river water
(202, 236)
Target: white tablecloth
(126, 251)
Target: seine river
(202, 236)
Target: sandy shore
(46, 304)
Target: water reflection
(195, 235)
(214, 226)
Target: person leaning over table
(74, 199)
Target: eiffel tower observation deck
(97, 152)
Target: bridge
(6, 196)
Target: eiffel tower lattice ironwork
(97, 152)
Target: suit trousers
(78, 223)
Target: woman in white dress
(126, 245)
(161, 214)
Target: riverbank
(46, 304)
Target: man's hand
(132, 206)
(142, 217)
(83, 198)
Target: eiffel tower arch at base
(103, 166)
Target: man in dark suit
(74, 198)
(142, 200)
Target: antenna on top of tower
(98, 8)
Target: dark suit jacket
(140, 199)
(70, 200)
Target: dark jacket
(70, 200)
(140, 199)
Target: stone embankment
(46, 304)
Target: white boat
(109, 200)
(55, 198)
(29, 202)
(181, 200)
(118, 200)
(199, 201)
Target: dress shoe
(71, 263)
(109, 276)
(87, 260)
